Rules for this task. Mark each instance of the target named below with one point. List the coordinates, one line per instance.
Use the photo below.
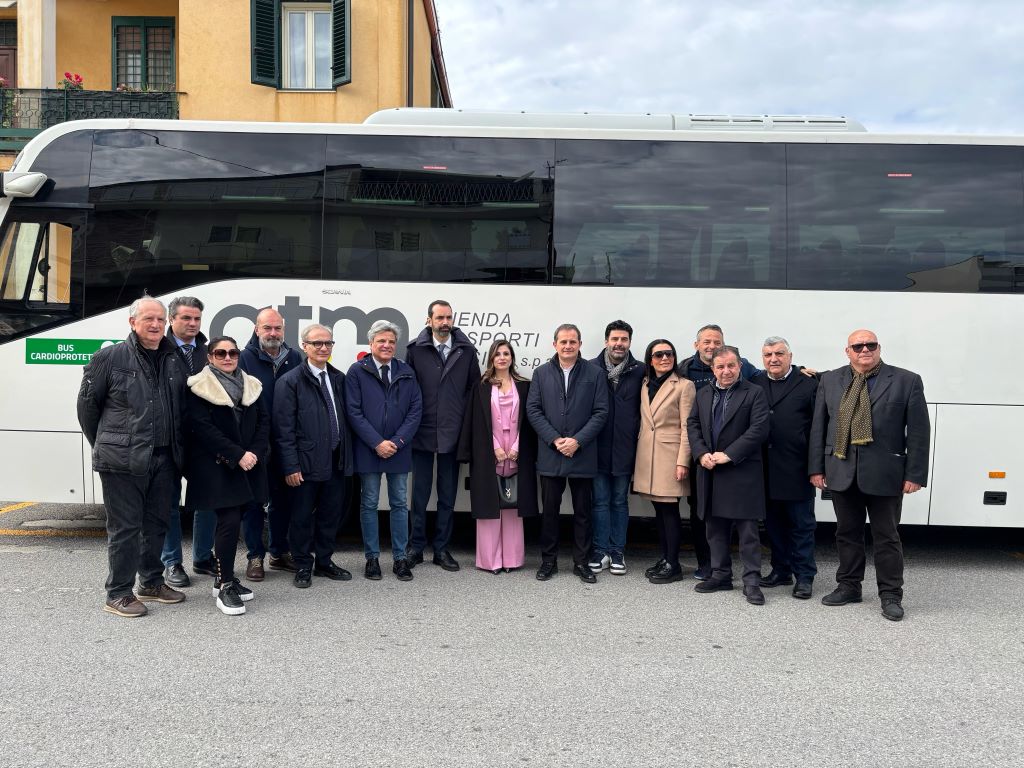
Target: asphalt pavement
(470, 668)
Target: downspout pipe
(409, 32)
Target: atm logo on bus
(63, 351)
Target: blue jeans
(790, 527)
(370, 499)
(253, 520)
(611, 514)
(203, 527)
(447, 487)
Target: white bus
(801, 227)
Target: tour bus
(800, 227)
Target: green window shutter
(265, 16)
(341, 39)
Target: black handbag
(508, 492)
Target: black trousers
(138, 508)
(225, 540)
(853, 507)
(719, 538)
(317, 509)
(698, 530)
(551, 490)
(670, 529)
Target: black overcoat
(790, 411)
(445, 386)
(476, 447)
(217, 440)
(616, 444)
(735, 490)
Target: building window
(301, 45)
(8, 34)
(143, 53)
(306, 45)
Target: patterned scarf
(853, 424)
(614, 371)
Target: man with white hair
(384, 408)
(130, 409)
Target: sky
(904, 66)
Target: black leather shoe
(204, 567)
(668, 573)
(303, 578)
(841, 596)
(802, 590)
(373, 569)
(402, 570)
(892, 609)
(656, 567)
(712, 585)
(413, 558)
(753, 594)
(547, 570)
(332, 571)
(175, 576)
(775, 579)
(584, 573)
(446, 561)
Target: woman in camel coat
(663, 452)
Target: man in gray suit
(869, 446)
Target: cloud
(905, 65)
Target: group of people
(269, 436)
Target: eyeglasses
(319, 344)
(220, 354)
(870, 346)
(663, 353)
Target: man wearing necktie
(315, 448)
(727, 427)
(384, 407)
(186, 317)
(447, 369)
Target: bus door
(41, 268)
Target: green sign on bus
(63, 351)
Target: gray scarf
(233, 384)
(614, 371)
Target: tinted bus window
(438, 209)
(919, 218)
(174, 209)
(669, 214)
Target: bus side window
(35, 263)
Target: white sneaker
(229, 601)
(596, 565)
(244, 593)
(618, 565)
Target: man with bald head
(268, 358)
(869, 446)
(130, 410)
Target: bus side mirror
(16, 184)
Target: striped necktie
(186, 350)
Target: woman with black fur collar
(228, 440)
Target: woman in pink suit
(497, 439)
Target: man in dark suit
(726, 427)
(869, 447)
(567, 406)
(790, 509)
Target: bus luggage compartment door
(42, 466)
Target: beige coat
(662, 443)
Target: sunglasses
(220, 354)
(663, 353)
(320, 344)
(870, 346)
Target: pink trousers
(499, 543)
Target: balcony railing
(26, 111)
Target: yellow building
(261, 60)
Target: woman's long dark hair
(489, 373)
(649, 356)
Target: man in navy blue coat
(616, 448)
(567, 407)
(384, 409)
(315, 454)
(447, 369)
(789, 494)
(268, 358)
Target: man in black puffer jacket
(130, 409)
